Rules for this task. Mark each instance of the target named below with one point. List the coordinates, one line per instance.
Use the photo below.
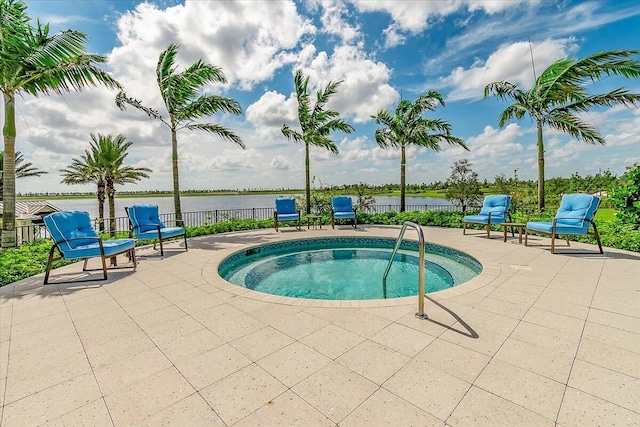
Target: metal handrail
(420, 314)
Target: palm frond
(609, 99)
(219, 130)
(572, 125)
(291, 134)
(208, 106)
(122, 100)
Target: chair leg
(49, 262)
(464, 228)
(526, 236)
(488, 230)
(597, 236)
(355, 222)
(553, 243)
(275, 222)
(84, 266)
(104, 266)
(333, 221)
(161, 247)
(185, 241)
(132, 257)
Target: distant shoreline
(144, 194)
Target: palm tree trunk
(8, 239)
(307, 178)
(176, 181)
(112, 207)
(403, 162)
(540, 168)
(101, 197)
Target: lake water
(210, 203)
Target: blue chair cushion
(342, 204)
(546, 227)
(344, 215)
(71, 229)
(288, 217)
(285, 206)
(576, 208)
(165, 233)
(484, 219)
(498, 204)
(76, 238)
(110, 247)
(144, 217)
(573, 216)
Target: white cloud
(510, 62)
(333, 21)
(365, 88)
(413, 17)
(248, 40)
(280, 163)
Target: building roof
(33, 209)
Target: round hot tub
(345, 268)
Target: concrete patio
(535, 340)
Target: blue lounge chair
(75, 238)
(146, 224)
(286, 211)
(574, 216)
(342, 208)
(495, 210)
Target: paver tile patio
(536, 339)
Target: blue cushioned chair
(495, 210)
(146, 224)
(343, 209)
(75, 238)
(574, 216)
(286, 211)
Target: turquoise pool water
(347, 268)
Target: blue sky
(382, 50)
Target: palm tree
(316, 123)
(104, 165)
(84, 171)
(180, 93)
(23, 170)
(409, 127)
(34, 62)
(560, 94)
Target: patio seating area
(536, 339)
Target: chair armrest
(180, 223)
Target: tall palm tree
(560, 94)
(104, 165)
(316, 123)
(34, 62)
(23, 170)
(184, 103)
(408, 127)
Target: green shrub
(31, 259)
(26, 261)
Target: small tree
(626, 197)
(463, 185)
(365, 200)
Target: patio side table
(520, 226)
(315, 220)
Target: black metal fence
(28, 233)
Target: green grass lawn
(606, 214)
